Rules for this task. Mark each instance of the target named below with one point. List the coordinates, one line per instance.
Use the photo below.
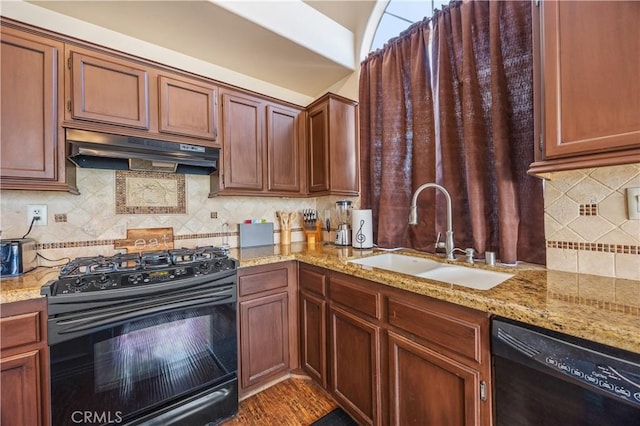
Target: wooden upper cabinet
(187, 107)
(242, 121)
(107, 89)
(33, 155)
(111, 93)
(333, 146)
(283, 149)
(262, 147)
(319, 148)
(588, 90)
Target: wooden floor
(293, 402)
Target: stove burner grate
(151, 260)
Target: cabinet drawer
(457, 332)
(260, 280)
(20, 330)
(347, 292)
(312, 281)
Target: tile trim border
(597, 247)
(94, 243)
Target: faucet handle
(439, 244)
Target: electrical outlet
(39, 210)
(633, 203)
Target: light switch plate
(633, 203)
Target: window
(399, 15)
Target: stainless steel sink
(479, 279)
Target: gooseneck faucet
(413, 216)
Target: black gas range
(144, 339)
(98, 273)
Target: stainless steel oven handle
(66, 327)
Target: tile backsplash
(87, 224)
(586, 223)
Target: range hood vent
(115, 152)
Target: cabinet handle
(69, 106)
(483, 390)
(69, 62)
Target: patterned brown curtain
(474, 136)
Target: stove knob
(104, 278)
(204, 266)
(78, 282)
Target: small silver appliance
(343, 234)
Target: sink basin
(411, 265)
(479, 279)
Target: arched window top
(399, 15)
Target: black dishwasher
(545, 378)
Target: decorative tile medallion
(588, 209)
(150, 193)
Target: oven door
(147, 357)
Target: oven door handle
(70, 328)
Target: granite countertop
(601, 309)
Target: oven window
(144, 364)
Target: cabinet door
(242, 142)
(355, 365)
(313, 337)
(187, 107)
(590, 70)
(109, 90)
(29, 111)
(264, 338)
(21, 390)
(283, 155)
(318, 127)
(343, 148)
(427, 388)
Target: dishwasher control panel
(621, 383)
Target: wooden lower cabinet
(24, 364)
(428, 388)
(355, 364)
(313, 336)
(312, 282)
(268, 343)
(264, 331)
(395, 357)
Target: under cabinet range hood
(116, 152)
